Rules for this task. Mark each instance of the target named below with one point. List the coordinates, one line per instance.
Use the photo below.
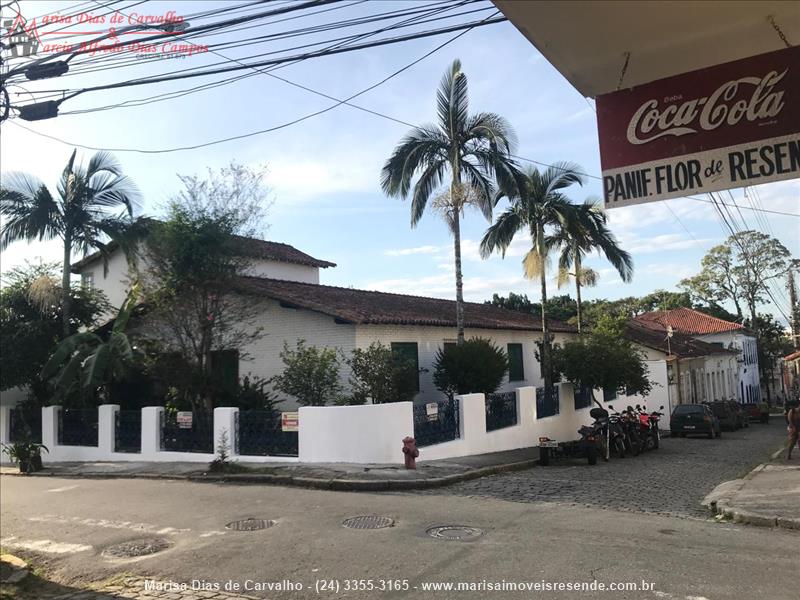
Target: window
(224, 370)
(516, 368)
(87, 281)
(609, 395)
(408, 351)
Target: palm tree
(471, 149)
(587, 231)
(81, 215)
(538, 205)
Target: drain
(459, 533)
(368, 522)
(136, 548)
(250, 524)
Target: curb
(333, 484)
(722, 506)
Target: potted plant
(27, 454)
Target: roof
(686, 320)
(250, 247)
(680, 344)
(792, 356)
(368, 307)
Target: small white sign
(185, 419)
(432, 408)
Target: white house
(294, 305)
(745, 386)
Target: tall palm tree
(586, 232)
(471, 149)
(537, 206)
(81, 216)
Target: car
(725, 414)
(694, 419)
(757, 412)
(742, 418)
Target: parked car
(693, 419)
(742, 418)
(725, 414)
(757, 412)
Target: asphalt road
(70, 522)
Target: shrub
(380, 374)
(476, 366)
(311, 374)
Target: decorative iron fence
(77, 427)
(128, 431)
(434, 426)
(583, 397)
(25, 425)
(501, 410)
(259, 433)
(546, 403)
(198, 436)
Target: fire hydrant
(411, 452)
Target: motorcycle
(648, 426)
(591, 441)
(630, 429)
(610, 435)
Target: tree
(31, 323)
(310, 374)
(604, 359)
(587, 231)
(81, 216)
(469, 148)
(380, 374)
(192, 284)
(85, 364)
(537, 204)
(476, 366)
(740, 269)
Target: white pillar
(566, 398)
(473, 418)
(106, 428)
(50, 427)
(225, 422)
(151, 431)
(5, 424)
(526, 404)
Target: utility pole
(793, 324)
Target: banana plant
(85, 361)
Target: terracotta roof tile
(686, 320)
(680, 344)
(368, 307)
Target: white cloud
(411, 251)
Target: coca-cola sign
(726, 126)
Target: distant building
(745, 387)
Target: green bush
(311, 374)
(378, 373)
(476, 366)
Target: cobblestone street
(671, 480)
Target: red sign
(722, 127)
(290, 421)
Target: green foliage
(311, 374)
(604, 359)
(476, 366)
(380, 374)
(27, 454)
(85, 363)
(252, 394)
(31, 323)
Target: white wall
(660, 395)
(13, 396)
(355, 434)
(115, 284)
(747, 360)
(282, 270)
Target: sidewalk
(329, 476)
(768, 496)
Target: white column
(225, 423)
(5, 424)
(151, 431)
(50, 427)
(106, 428)
(526, 404)
(473, 420)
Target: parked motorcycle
(629, 425)
(611, 438)
(591, 442)
(648, 426)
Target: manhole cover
(368, 522)
(460, 533)
(135, 548)
(250, 524)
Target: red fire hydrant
(411, 452)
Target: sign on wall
(432, 410)
(730, 125)
(184, 419)
(290, 421)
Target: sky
(324, 172)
